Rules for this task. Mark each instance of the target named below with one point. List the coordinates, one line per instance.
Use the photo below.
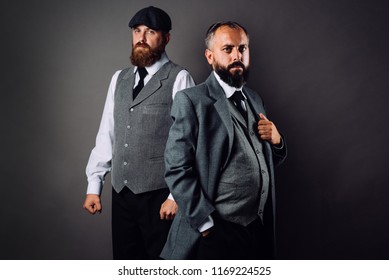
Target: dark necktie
(142, 74)
(238, 98)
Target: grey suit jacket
(198, 148)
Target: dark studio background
(321, 66)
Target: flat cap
(153, 18)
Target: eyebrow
(231, 46)
(146, 28)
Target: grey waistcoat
(141, 128)
(244, 183)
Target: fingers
(92, 204)
(206, 233)
(267, 130)
(98, 207)
(93, 209)
(168, 210)
(162, 214)
(263, 117)
(265, 135)
(166, 215)
(265, 127)
(264, 121)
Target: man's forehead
(142, 26)
(226, 35)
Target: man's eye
(227, 49)
(242, 48)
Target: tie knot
(142, 72)
(237, 97)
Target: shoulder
(183, 74)
(195, 92)
(179, 73)
(194, 98)
(115, 77)
(121, 74)
(117, 73)
(175, 66)
(249, 91)
(253, 95)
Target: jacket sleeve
(181, 174)
(280, 153)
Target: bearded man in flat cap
(131, 141)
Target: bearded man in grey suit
(220, 158)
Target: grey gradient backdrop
(321, 66)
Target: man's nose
(142, 37)
(236, 54)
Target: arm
(180, 159)
(99, 163)
(169, 207)
(183, 81)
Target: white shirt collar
(228, 90)
(151, 70)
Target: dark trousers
(138, 233)
(230, 241)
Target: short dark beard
(145, 56)
(236, 80)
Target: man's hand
(206, 233)
(92, 204)
(268, 131)
(168, 210)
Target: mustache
(141, 44)
(235, 64)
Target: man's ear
(167, 38)
(209, 56)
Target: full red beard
(142, 55)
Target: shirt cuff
(94, 188)
(206, 225)
(279, 146)
(171, 197)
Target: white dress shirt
(99, 163)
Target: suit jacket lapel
(128, 84)
(221, 106)
(254, 103)
(234, 111)
(153, 85)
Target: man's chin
(236, 70)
